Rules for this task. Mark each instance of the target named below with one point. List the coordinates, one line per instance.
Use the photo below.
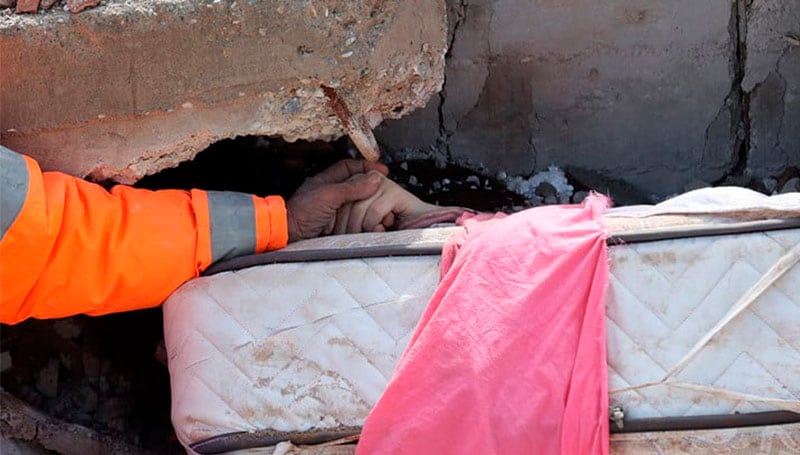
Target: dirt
(100, 373)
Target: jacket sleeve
(68, 246)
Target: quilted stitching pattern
(301, 346)
(665, 296)
(271, 347)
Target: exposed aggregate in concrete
(131, 87)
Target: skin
(391, 206)
(312, 209)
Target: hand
(391, 206)
(311, 211)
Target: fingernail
(374, 179)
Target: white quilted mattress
(696, 326)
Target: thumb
(356, 188)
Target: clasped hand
(357, 196)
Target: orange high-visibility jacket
(68, 246)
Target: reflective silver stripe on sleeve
(233, 224)
(13, 187)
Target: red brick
(27, 6)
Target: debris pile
(99, 383)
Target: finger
(331, 227)
(378, 210)
(361, 211)
(357, 188)
(388, 220)
(356, 221)
(342, 218)
(375, 166)
(379, 228)
(344, 169)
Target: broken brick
(27, 6)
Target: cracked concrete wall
(771, 83)
(658, 94)
(134, 86)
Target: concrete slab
(772, 81)
(133, 86)
(635, 90)
(632, 89)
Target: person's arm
(68, 246)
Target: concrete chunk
(131, 87)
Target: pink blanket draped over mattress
(509, 356)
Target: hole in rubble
(251, 164)
(269, 166)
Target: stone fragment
(770, 185)
(76, 6)
(791, 186)
(27, 6)
(47, 379)
(47, 4)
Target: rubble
(131, 87)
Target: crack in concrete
(737, 102)
(784, 87)
(444, 137)
(742, 130)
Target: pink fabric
(509, 356)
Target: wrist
(292, 227)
